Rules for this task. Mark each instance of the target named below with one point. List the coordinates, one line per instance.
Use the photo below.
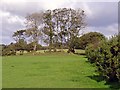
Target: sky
(100, 16)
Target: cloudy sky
(100, 16)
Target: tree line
(58, 28)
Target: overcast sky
(100, 16)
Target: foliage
(9, 50)
(21, 46)
(90, 53)
(90, 38)
(48, 27)
(62, 25)
(57, 28)
(30, 47)
(107, 58)
(33, 30)
(19, 34)
(2, 46)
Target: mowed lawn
(49, 71)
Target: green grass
(49, 71)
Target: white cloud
(4, 14)
(113, 28)
(9, 24)
(108, 31)
(100, 17)
(87, 9)
(52, 4)
(16, 19)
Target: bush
(7, 52)
(90, 38)
(107, 58)
(91, 52)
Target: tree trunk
(50, 45)
(71, 49)
(61, 46)
(35, 47)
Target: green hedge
(106, 56)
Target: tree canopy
(89, 38)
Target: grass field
(49, 71)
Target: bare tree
(33, 25)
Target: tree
(20, 44)
(90, 38)
(30, 47)
(33, 22)
(58, 27)
(63, 25)
(49, 27)
(2, 47)
(9, 50)
(20, 34)
(63, 20)
(56, 20)
(74, 24)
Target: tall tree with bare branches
(34, 24)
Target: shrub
(90, 38)
(107, 58)
(91, 52)
(7, 52)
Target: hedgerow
(106, 57)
